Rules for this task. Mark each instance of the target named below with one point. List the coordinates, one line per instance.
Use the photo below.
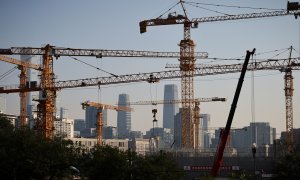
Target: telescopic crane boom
(99, 123)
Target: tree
(288, 166)
(104, 162)
(24, 155)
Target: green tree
(104, 162)
(23, 155)
(288, 167)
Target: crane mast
(99, 123)
(22, 65)
(288, 82)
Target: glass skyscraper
(91, 117)
(170, 110)
(123, 117)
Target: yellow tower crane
(22, 65)
(99, 123)
(187, 56)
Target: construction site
(212, 83)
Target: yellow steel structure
(99, 123)
(187, 57)
(46, 107)
(22, 65)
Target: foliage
(288, 167)
(25, 155)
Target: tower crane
(196, 111)
(271, 64)
(187, 56)
(22, 65)
(46, 106)
(99, 123)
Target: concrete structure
(63, 113)
(165, 137)
(64, 128)
(89, 143)
(170, 110)
(123, 117)
(12, 118)
(135, 134)
(140, 146)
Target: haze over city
(115, 25)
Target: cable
(231, 6)
(8, 72)
(208, 9)
(93, 66)
(168, 10)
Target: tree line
(26, 155)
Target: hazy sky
(113, 24)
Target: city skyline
(114, 25)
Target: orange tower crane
(22, 65)
(99, 123)
(204, 70)
(196, 111)
(46, 106)
(187, 56)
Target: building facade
(64, 128)
(123, 117)
(170, 110)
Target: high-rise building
(242, 139)
(110, 132)
(205, 133)
(170, 110)
(91, 116)
(177, 130)
(63, 113)
(79, 124)
(32, 77)
(64, 128)
(2, 105)
(123, 117)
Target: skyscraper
(170, 110)
(204, 124)
(123, 117)
(91, 117)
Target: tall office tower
(124, 117)
(33, 80)
(2, 105)
(177, 130)
(204, 129)
(91, 117)
(63, 113)
(170, 110)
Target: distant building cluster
(167, 138)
